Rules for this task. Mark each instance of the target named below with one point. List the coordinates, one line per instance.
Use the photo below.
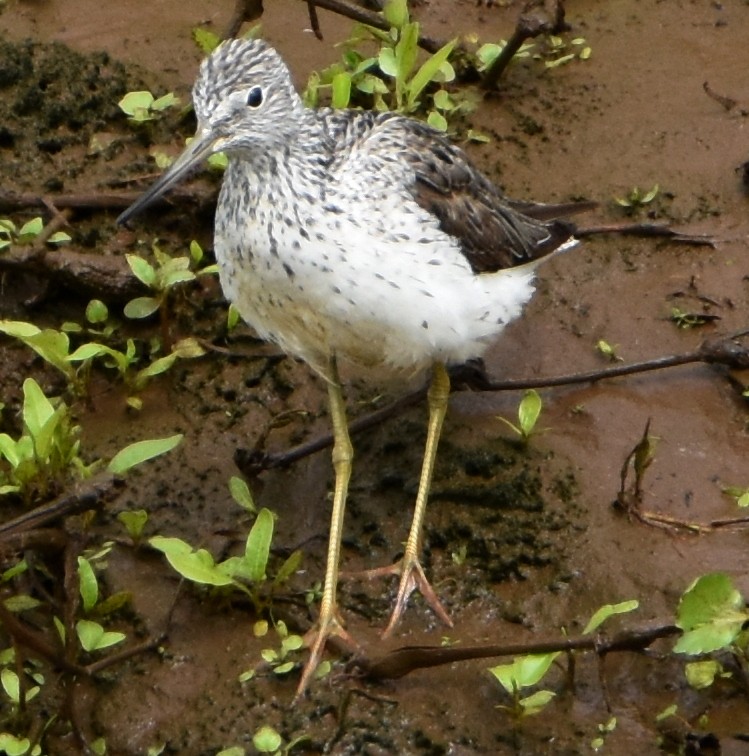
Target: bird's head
(244, 100)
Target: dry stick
(95, 201)
(85, 495)
(409, 658)
(370, 18)
(713, 352)
(244, 10)
(34, 640)
(314, 21)
(527, 27)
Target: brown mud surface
(519, 543)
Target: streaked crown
(244, 95)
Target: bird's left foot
(327, 627)
(412, 577)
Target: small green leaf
(669, 711)
(609, 610)
(197, 566)
(702, 674)
(37, 409)
(31, 229)
(536, 702)
(266, 740)
(524, 671)
(157, 367)
(396, 12)
(89, 351)
(232, 751)
(134, 521)
(289, 567)
(206, 40)
(142, 269)
(59, 237)
(13, 746)
(93, 637)
(529, 411)
(141, 307)
(196, 252)
(257, 548)
(96, 311)
(88, 584)
(387, 62)
(291, 643)
(437, 121)
(283, 669)
(428, 71)
(240, 492)
(169, 100)
(442, 100)
(135, 101)
(141, 451)
(21, 603)
(341, 90)
(711, 613)
(11, 684)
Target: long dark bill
(203, 145)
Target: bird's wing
(492, 234)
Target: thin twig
(87, 494)
(720, 351)
(370, 18)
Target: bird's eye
(255, 97)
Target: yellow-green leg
(329, 624)
(411, 573)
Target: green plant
(54, 347)
(161, 278)
(529, 410)
(134, 521)
(608, 351)
(123, 362)
(552, 50)
(38, 463)
(528, 671)
(711, 613)
(389, 79)
(687, 320)
(637, 198)
(47, 452)
(267, 740)
(246, 573)
(741, 495)
(604, 730)
(524, 672)
(279, 659)
(11, 234)
(141, 107)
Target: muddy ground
(520, 543)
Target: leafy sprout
(637, 198)
(529, 410)
(141, 107)
(389, 79)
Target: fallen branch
(723, 351)
(407, 659)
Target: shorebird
(348, 235)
